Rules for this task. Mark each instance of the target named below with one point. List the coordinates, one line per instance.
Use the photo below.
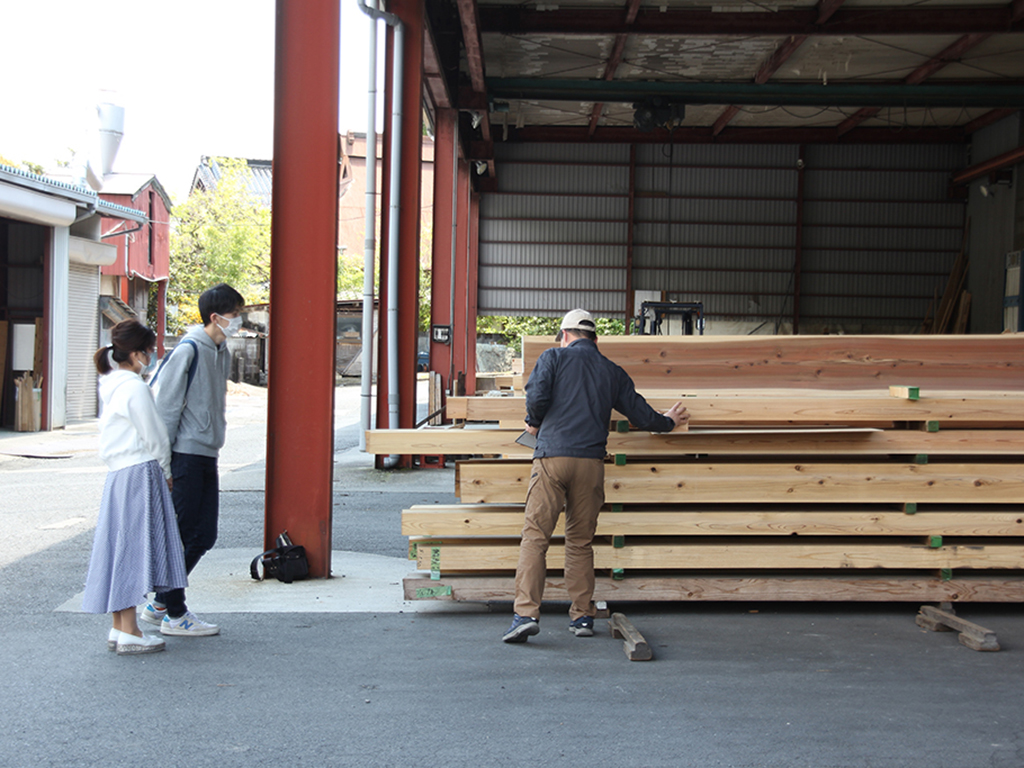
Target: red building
(139, 274)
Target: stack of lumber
(802, 476)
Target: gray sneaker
(188, 625)
(521, 629)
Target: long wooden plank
(725, 555)
(852, 410)
(743, 482)
(950, 442)
(835, 362)
(482, 520)
(887, 588)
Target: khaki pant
(578, 486)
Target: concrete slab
(361, 583)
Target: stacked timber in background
(801, 478)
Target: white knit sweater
(131, 431)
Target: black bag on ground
(286, 562)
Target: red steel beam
(569, 21)
(614, 60)
(826, 9)
(987, 119)
(947, 56)
(300, 435)
(992, 165)
(629, 135)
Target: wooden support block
(972, 635)
(635, 646)
(905, 393)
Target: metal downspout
(394, 185)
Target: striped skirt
(137, 548)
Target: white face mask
(150, 366)
(234, 323)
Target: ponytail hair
(126, 337)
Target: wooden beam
(750, 587)
(770, 482)
(728, 555)
(833, 362)
(764, 442)
(491, 520)
(634, 644)
(845, 411)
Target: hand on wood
(678, 414)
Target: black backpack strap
(253, 570)
(191, 366)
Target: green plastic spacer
(413, 549)
(921, 458)
(910, 508)
(618, 574)
(620, 459)
(934, 542)
(616, 507)
(931, 426)
(618, 542)
(435, 563)
(946, 574)
(425, 593)
(622, 425)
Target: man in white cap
(569, 400)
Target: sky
(195, 77)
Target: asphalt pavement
(343, 672)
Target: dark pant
(196, 505)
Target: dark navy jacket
(570, 396)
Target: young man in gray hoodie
(190, 389)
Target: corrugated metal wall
(719, 224)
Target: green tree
(514, 328)
(220, 234)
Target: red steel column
(460, 331)
(411, 13)
(441, 259)
(472, 285)
(300, 437)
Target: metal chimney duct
(110, 117)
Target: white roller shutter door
(83, 340)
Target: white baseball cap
(577, 320)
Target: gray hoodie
(195, 420)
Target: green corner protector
(620, 459)
(444, 590)
(946, 574)
(618, 574)
(913, 393)
(934, 542)
(921, 458)
(622, 426)
(618, 542)
(910, 508)
(616, 507)
(931, 426)
(435, 563)
(413, 550)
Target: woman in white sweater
(137, 548)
